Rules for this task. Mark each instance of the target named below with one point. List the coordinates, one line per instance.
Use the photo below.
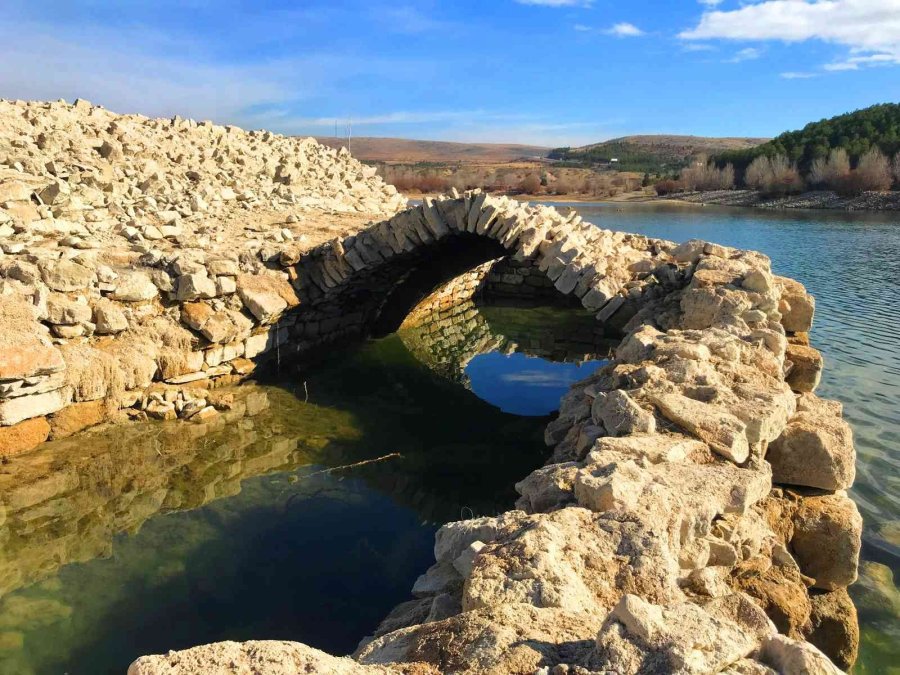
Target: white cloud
(557, 3)
(854, 62)
(710, 3)
(869, 28)
(537, 378)
(797, 75)
(746, 54)
(581, 28)
(139, 71)
(625, 29)
(698, 47)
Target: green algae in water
(150, 537)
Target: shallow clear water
(851, 263)
(301, 520)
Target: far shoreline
(874, 202)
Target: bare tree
(773, 175)
(873, 171)
(895, 168)
(757, 173)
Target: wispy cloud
(710, 3)
(797, 75)
(624, 29)
(407, 19)
(581, 28)
(398, 117)
(746, 54)
(698, 47)
(869, 28)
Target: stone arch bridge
(693, 514)
(370, 281)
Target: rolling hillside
(402, 150)
(652, 153)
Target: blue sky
(553, 72)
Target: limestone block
(827, 539)
(14, 410)
(195, 286)
(681, 638)
(616, 486)
(77, 417)
(689, 251)
(23, 436)
(620, 415)
(806, 367)
(816, 450)
(724, 432)
(793, 657)
(797, 307)
(833, 627)
(64, 311)
(266, 296)
(109, 318)
(225, 285)
(67, 276)
(256, 345)
(135, 287)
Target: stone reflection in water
(448, 338)
(66, 502)
(146, 537)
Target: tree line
(850, 154)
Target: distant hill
(855, 132)
(411, 151)
(652, 152)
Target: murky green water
(851, 263)
(162, 536)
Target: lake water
(310, 514)
(851, 263)
(301, 520)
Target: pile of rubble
(120, 235)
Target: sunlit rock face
(654, 540)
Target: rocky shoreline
(821, 199)
(692, 516)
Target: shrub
(665, 187)
(895, 168)
(530, 184)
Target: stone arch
(360, 275)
